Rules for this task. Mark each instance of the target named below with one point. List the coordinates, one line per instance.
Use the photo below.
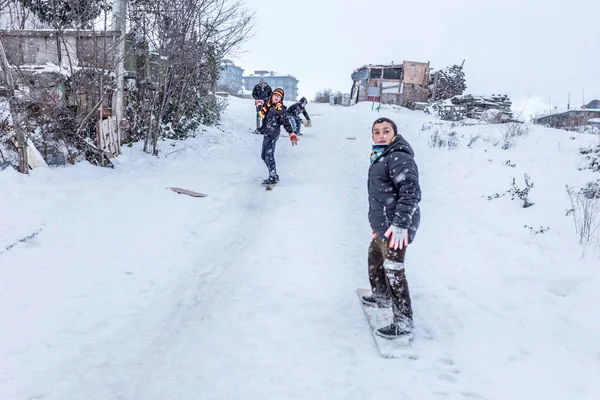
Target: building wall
(82, 48)
(569, 119)
(416, 73)
(289, 84)
(413, 93)
(231, 77)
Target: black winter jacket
(295, 110)
(260, 93)
(271, 125)
(394, 190)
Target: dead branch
(25, 239)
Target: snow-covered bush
(591, 190)
(512, 130)
(8, 153)
(589, 129)
(593, 156)
(447, 139)
(522, 194)
(472, 140)
(585, 204)
(537, 231)
(517, 192)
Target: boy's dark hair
(383, 119)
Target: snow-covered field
(130, 291)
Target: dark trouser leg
(258, 118)
(298, 125)
(268, 153)
(293, 123)
(397, 284)
(377, 276)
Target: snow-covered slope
(130, 291)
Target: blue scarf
(376, 151)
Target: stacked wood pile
(476, 105)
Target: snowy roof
(565, 110)
(48, 68)
(390, 65)
(269, 74)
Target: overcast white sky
(541, 49)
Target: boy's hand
(294, 138)
(398, 237)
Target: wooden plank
(188, 192)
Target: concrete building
(231, 78)
(288, 83)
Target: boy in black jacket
(274, 115)
(294, 111)
(394, 216)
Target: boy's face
(383, 133)
(276, 98)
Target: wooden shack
(400, 84)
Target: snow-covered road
(131, 291)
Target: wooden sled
(188, 192)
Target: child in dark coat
(394, 216)
(294, 111)
(274, 115)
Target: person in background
(294, 111)
(261, 93)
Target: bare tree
(179, 45)
(322, 96)
(66, 120)
(14, 16)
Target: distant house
(230, 78)
(592, 105)
(400, 84)
(570, 119)
(288, 83)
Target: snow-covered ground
(130, 291)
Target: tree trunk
(15, 112)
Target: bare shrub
(586, 211)
(444, 139)
(472, 140)
(516, 192)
